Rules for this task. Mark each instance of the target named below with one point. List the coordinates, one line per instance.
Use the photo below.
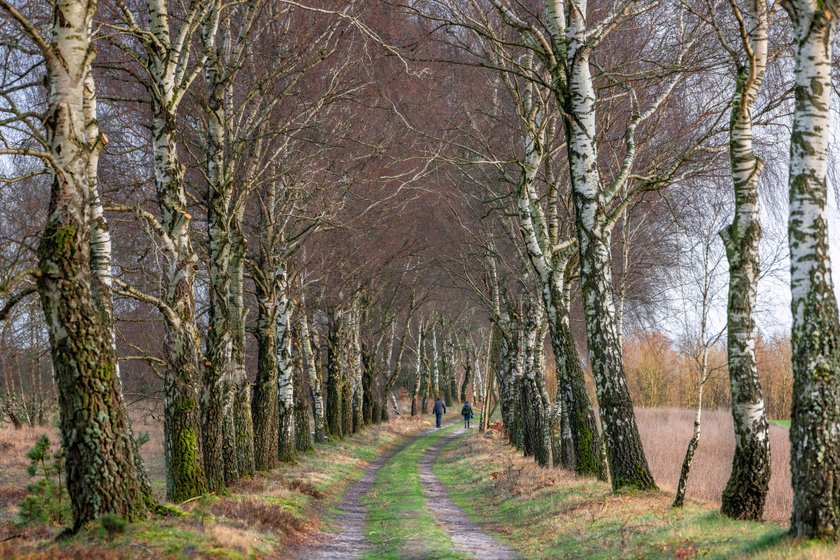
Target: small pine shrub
(47, 501)
(113, 525)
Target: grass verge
(553, 514)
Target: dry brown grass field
(665, 434)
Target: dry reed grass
(665, 433)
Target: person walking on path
(467, 413)
(439, 409)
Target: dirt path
(348, 540)
(467, 536)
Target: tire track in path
(467, 536)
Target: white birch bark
(628, 464)
(166, 57)
(356, 366)
(285, 367)
(434, 390)
(312, 375)
(815, 420)
(744, 495)
(418, 371)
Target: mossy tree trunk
(368, 369)
(266, 395)
(550, 256)
(103, 473)
(334, 390)
(159, 48)
(625, 454)
(311, 367)
(303, 433)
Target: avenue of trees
(266, 220)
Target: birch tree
(815, 447)
(566, 51)
(745, 492)
(225, 47)
(699, 280)
(166, 58)
(418, 370)
(103, 471)
(309, 364)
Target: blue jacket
(439, 407)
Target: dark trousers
(467, 422)
(438, 416)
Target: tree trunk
(242, 413)
(550, 258)
(103, 473)
(285, 367)
(418, 371)
(449, 358)
(266, 405)
(367, 387)
(266, 395)
(746, 490)
(347, 408)
(395, 369)
(626, 456)
(582, 450)
(303, 433)
(815, 445)
(434, 387)
(466, 381)
(184, 421)
(354, 328)
(334, 388)
(311, 368)
(679, 499)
